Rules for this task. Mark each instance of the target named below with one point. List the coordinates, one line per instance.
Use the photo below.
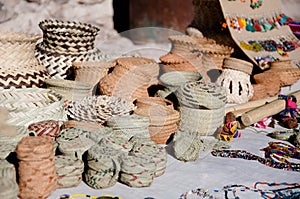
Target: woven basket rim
(67, 84)
(169, 78)
(11, 37)
(45, 27)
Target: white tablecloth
(207, 172)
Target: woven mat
(268, 9)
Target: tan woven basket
(238, 64)
(17, 49)
(173, 80)
(31, 105)
(70, 90)
(90, 72)
(201, 121)
(152, 101)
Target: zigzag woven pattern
(15, 78)
(68, 36)
(58, 65)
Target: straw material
(262, 91)
(281, 64)
(90, 72)
(99, 108)
(163, 121)
(200, 94)
(130, 78)
(238, 64)
(31, 105)
(7, 170)
(59, 64)
(68, 36)
(37, 174)
(70, 90)
(171, 58)
(173, 80)
(22, 78)
(202, 121)
(152, 101)
(8, 188)
(237, 84)
(284, 76)
(17, 49)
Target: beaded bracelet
(273, 152)
(74, 196)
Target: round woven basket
(171, 58)
(237, 85)
(186, 66)
(70, 90)
(201, 94)
(281, 64)
(58, 65)
(68, 36)
(17, 49)
(31, 105)
(173, 80)
(90, 72)
(201, 121)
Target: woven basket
(201, 121)
(70, 90)
(284, 76)
(281, 64)
(58, 65)
(262, 91)
(90, 72)
(31, 105)
(201, 94)
(173, 80)
(178, 67)
(17, 49)
(237, 85)
(163, 121)
(22, 78)
(99, 108)
(238, 64)
(68, 36)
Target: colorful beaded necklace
(276, 155)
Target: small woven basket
(201, 121)
(70, 90)
(17, 49)
(90, 72)
(68, 36)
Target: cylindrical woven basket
(68, 36)
(70, 90)
(58, 65)
(90, 72)
(201, 121)
(17, 49)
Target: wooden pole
(266, 110)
